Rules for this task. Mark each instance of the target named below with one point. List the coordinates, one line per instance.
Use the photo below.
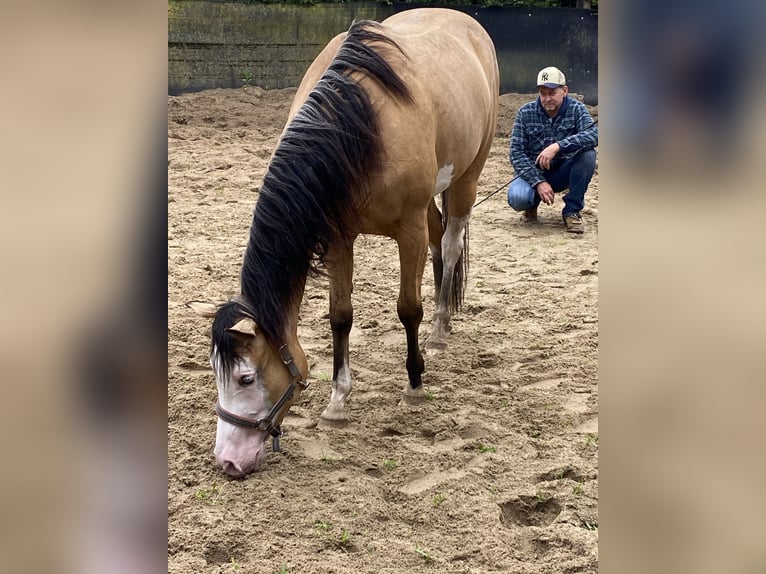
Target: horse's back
(448, 62)
(452, 60)
(447, 44)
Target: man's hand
(546, 156)
(545, 191)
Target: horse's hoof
(408, 401)
(435, 347)
(332, 420)
(332, 424)
(413, 396)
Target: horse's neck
(275, 295)
(290, 333)
(292, 313)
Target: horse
(389, 116)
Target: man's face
(552, 98)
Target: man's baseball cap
(551, 77)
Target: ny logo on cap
(545, 76)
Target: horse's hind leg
(458, 207)
(340, 267)
(435, 233)
(413, 245)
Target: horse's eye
(245, 380)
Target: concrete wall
(215, 43)
(222, 44)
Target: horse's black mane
(224, 344)
(314, 188)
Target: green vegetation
(322, 526)
(423, 553)
(541, 495)
(324, 530)
(246, 78)
(390, 463)
(344, 542)
(438, 499)
(208, 495)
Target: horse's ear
(245, 326)
(203, 309)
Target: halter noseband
(267, 423)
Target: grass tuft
(423, 553)
(208, 495)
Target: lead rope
(501, 187)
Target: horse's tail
(460, 272)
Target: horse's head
(256, 385)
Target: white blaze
(239, 450)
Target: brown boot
(574, 223)
(529, 215)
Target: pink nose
(232, 468)
(241, 455)
(240, 466)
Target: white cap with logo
(551, 77)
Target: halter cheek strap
(267, 423)
(287, 359)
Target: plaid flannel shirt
(572, 127)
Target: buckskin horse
(389, 116)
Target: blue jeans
(574, 174)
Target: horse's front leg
(340, 267)
(412, 259)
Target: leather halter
(267, 423)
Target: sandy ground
(497, 472)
